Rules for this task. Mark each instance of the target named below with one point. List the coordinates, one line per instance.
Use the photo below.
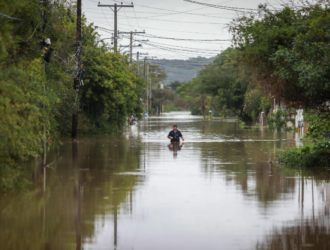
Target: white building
(299, 118)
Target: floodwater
(133, 190)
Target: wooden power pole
(138, 54)
(115, 8)
(78, 63)
(131, 33)
(138, 62)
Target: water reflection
(126, 191)
(175, 147)
(307, 231)
(83, 188)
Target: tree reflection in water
(299, 234)
(87, 187)
(308, 232)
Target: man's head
(175, 127)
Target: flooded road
(133, 190)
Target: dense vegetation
(287, 52)
(226, 88)
(35, 93)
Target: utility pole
(138, 63)
(78, 58)
(115, 9)
(138, 54)
(146, 76)
(130, 46)
(48, 52)
(146, 79)
(44, 158)
(115, 42)
(131, 41)
(144, 68)
(150, 95)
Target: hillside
(182, 70)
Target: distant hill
(182, 70)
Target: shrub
(309, 155)
(278, 120)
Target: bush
(310, 155)
(12, 179)
(242, 125)
(21, 96)
(319, 122)
(278, 120)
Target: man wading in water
(175, 134)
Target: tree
(161, 96)
(111, 91)
(7, 23)
(306, 63)
(224, 80)
(287, 51)
(194, 94)
(174, 85)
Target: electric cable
(158, 8)
(10, 17)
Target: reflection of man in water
(175, 146)
(175, 134)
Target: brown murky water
(133, 190)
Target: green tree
(162, 97)
(111, 91)
(287, 51)
(194, 94)
(306, 64)
(319, 122)
(21, 120)
(7, 21)
(224, 80)
(174, 85)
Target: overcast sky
(171, 19)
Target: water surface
(133, 190)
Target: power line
(222, 7)
(176, 39)
(179, 12)
(147, 27)
(180, 50)
(187, 39)
(105, 17)
(182, 47)
(153, 13)
(136, 19)
(127, 18)
(173, 21)
(10, 17)
(115, 10)
(33, 32)
(163, 20)
(182, 12)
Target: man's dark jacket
(176, 136)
